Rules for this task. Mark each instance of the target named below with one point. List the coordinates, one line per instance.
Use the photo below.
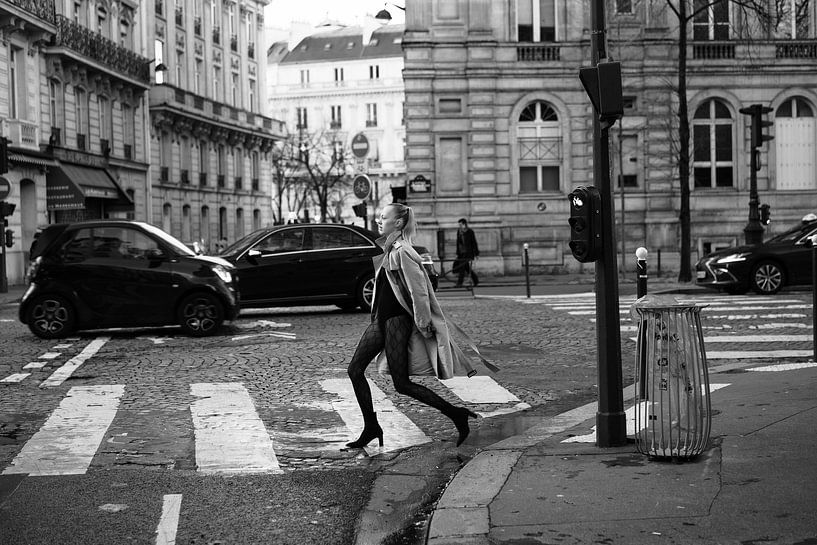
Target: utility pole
(603, 84)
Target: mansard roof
(347, 44)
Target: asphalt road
(290, 366)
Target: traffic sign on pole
(360, 145)
(5, 188)
(361, 186)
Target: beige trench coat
(432, 351)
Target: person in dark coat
(467, 251)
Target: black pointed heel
(461, 421)
(366, 437)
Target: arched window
(239, 223)
(222, 224)
(713, 156)
(256, 219)
(187, 224)
(167, 218)
(204, 227)
(539, 144)
(795, 146)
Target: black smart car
(117, 273)
(309, 264)
(783, 260)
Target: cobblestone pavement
(545, 347)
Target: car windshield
(792, 234)
(239, 245)
(170, 240)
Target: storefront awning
(69, 185)
(21, 158)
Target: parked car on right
(783, 260)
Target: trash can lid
(659, 302)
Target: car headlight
(734, 258)
(223, 273)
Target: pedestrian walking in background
(467, 252)
(408, 333)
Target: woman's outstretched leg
(370, 344)
(397, 335)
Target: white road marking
(263, 323)
(62, 346)
(785, 366)
(15, 377)
(279, 334)
(398, 430)
(751, 316)
(6, 320)
(67, 442)
(506, 410)
(629, 416)
(479, 389)
(782, 325)
(230, 436)
(169, 523)
(50, 355)
(62, 373)
(751, 354)
(35, 365)
(752, 338)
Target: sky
(280, 14)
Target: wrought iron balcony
(56, 137)
(538, 53)
(44, 9)
(102, 50)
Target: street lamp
(384, 14)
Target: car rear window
(45, 238)
(328, 238)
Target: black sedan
(308, 264)
(783, 260)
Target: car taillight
(33, 267)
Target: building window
(336, 118)
(251, 91)
(82, 112)
(180, 68)
(217, 83)
(450, 155)
(624, 6)
(159, 55)
(536, 20)
(625, 158)
(712, 145)
(256, 219)
(56, 104)
(234, 89)
(304, 78)
(17, 83)
(256, 169)
(187, 224)
(222, 224)
(167, 218)
(81, 13)
(338, 75)
(165, 151)
(239, 223)
(539, 145)
(197, 84)
(711, 21)
(371, 115)
(128, 130)
(302, 120)
(125, 35)
(795, 145)
(374, 71)
(204, 226)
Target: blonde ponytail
(407, 215)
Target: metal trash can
(672, 411)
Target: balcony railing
(233, 114)
(334, 125)
(220, 180)
(713, 50)
(216, 35)
(164, 174)
(101, 49)
(198, 102)
(23, 134)
(44, 9)
(216, 108)
(538, 53)
(796, 50)
(128, 151)
(81, 142)
(202, 178)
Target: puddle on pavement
(497, 428)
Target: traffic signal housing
(765, 214)
(585, 224)
(759, 123)
(4, 155)
(360, 210)
(9, 239)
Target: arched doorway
(28, 215)
(795, 149)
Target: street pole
(753, 232)
(814, 293)
(611, 427)
(527, 269)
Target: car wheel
(365, 293)
(767, 278)
(201, 314)
(51, 317)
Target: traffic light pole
(753, 231)
(611, 427)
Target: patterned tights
(394, 338)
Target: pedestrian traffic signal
(585, 224)
(759, 124)
(398, 194)
(765, 214)
(9, 238)
(7, 208)
(360, 210)
(4, 155)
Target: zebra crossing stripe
(169, 523)
(67, 442)
(399, 431)
(35, 365)
(479, 389)
(629, 417)
(754, 354)
(785, 366)
(752, 338)
(62, 373)
(230, 436)
(15, 377)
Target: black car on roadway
(309, 264)
(783, 260)
(118, 273)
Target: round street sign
(360, 145)
(361, 186)
(5, 188)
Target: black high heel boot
(460, 418)
(371, 430)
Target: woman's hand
(429, 331)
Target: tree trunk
(685, 272)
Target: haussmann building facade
(497, 120)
